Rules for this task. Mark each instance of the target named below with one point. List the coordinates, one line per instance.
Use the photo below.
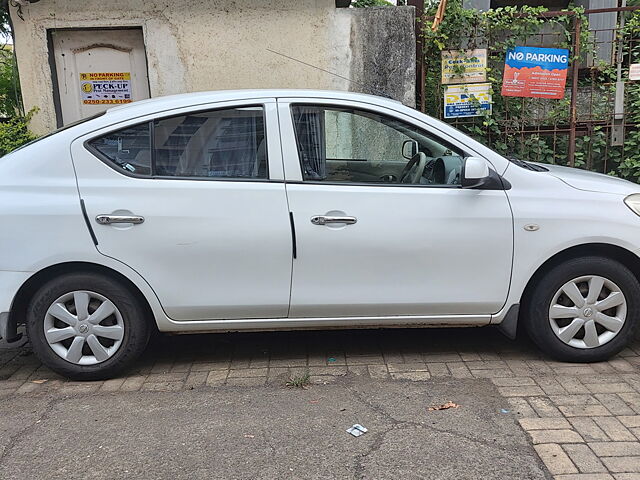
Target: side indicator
(531, 227)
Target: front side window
(229, 143)
(347, 145)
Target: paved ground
(216, 406)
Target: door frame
(57, 102)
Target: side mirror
(477, 174)
(409, 149)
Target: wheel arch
(29, 288)
(605, 250)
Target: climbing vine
(532, 128)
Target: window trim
(109, 162)
(331, 106)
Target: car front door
(194, 201)
(381, 235)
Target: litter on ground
(444, 406)
(357, 430)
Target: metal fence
(597, 123)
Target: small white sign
(634, 71)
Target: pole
(574, 90)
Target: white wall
(195, 45)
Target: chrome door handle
(326, 219)
(111, 219)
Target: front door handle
(113, 219)
(327, 219)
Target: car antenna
(366, 87)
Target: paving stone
(614, 403)
(614, 429)
(584, 476)
(555, 459)
(492, 373)
(622, 464)
(407, 367)
(524, 391)
(584, 458)
(249, 372)
(413, 376)
(578, 399)
(610, 388)
(513, 381)
(217, 377)
(377, 371)
(554, 436)
(459, 370)
(630, 420)
(544, 407)
(550, 385)
(544, 423)
(112, 385)
(615, 449)
(584, 410)
(196, 379)
(572, 385)
(627, 476)
(589, 430)
(438, 369)
(442, 357)
(162, 386)
(133, 384)
(521, 407)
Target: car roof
(158, 104)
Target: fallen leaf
(444, 406)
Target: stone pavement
(583, 419)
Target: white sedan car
(285, 209)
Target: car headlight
(633, 202)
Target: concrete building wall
(195, 45)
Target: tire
(123, 334)
(601, 343)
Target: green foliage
(10, 102)
(530, 128)
(15, 132)
(370, 3)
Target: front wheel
(584, 310)
(86, 326)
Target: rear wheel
(584, 310)
(86, 326)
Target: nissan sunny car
(287, 209)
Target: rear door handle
(113, 219)
(327, 219)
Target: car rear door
(195, 202)
(369, 246)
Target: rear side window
(128, 149)
(229, 143)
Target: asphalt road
(269, 432)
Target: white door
(380, 235)
(212, 237)
(97, 69)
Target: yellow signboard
(464, 66)
(105, 88)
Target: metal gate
(595, 126)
